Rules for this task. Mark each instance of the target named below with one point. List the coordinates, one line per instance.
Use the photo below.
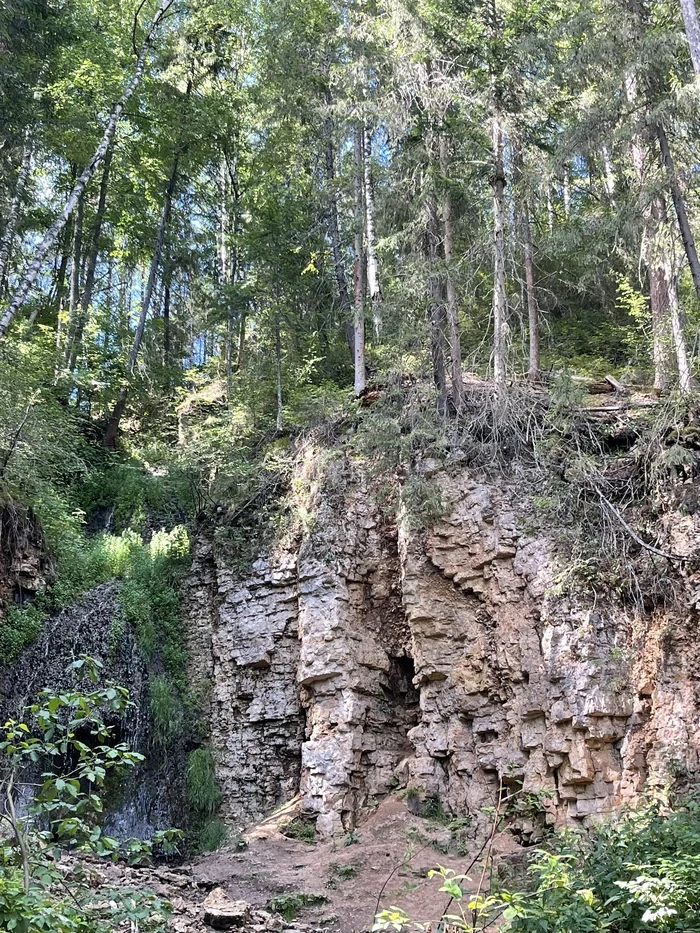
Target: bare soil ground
(385, 863)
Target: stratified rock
(364, 655)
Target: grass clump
(204, 799)
(344, 871)
(290, 905)
(301, 830)
(212, 835)
(165, 709)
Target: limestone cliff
(360, 655)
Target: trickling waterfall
(143, 799)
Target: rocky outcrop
(25, 565)
(245, 654)
(364, 655)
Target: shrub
(301, 830)
(289, 905)
(39, 889)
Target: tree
(54, 231)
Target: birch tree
(54, 231)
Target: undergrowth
(204, 798)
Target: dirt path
(334, 886)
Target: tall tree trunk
(12, 219)
(663, 296)
(359, 267)
(112, 429)
(523, 222)
(91, 267)
(679, 206)
(334, 233)
(74, 290)
(661, 256)
(450, 287)
(500, 309)
(438, 316)
(278, 369)
(241, 341)
(372, 260)
(692, 31)
(166, 318)
(566, 191)
(533, 315)
(609, 176)
(59, 223)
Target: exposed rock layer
(366, 656)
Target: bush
(639, 873)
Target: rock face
(364, 656)
(150, 797)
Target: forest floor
(326, 885)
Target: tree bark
(12, 220)
(166, 319)
(533, 315)
(334, 232)
(450, 287)
(609, 175)
(679, 205)
(278, 369)
(438, 316)
(91, 267)
(692, 31)
(359, 266)
(663, 296)
(74, 288)
(112, 429)
(59, 223)
(372, 260)
(500, 310)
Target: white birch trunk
(692, 31)
(500, 310)
(59, 223)
(372, 260)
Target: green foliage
(636, 873)
(204, 799)
(212, 835)
(133, 492)
(203, 794)
(290, 905)
(422, 501)
(344, 870)
(18, 629)
(150, 599)
(69, 736)
(165, 710)
(300, 829)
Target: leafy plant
(67, 736)
(300, 829)
(290, 905)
